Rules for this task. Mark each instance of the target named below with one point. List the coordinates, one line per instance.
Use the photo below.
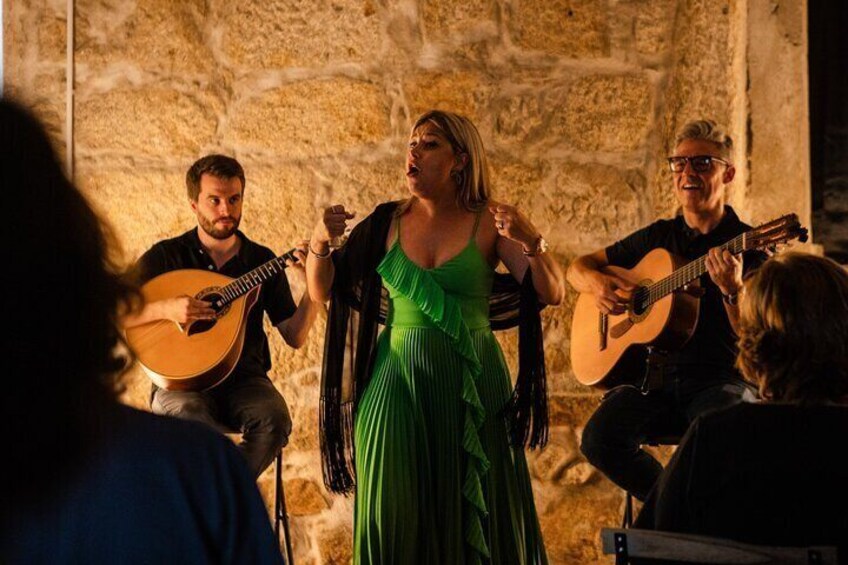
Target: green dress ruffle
(437, 481)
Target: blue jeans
(249, 405)
(627, 418)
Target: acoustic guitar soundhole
(220, 306)
(640, 304)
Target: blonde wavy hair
(472, 180)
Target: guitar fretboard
(246, 282)
(684, 275)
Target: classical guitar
(201, 354)
(662, 309)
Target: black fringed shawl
(358, 287)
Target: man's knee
(281, 427)
(594, 443)
(187, 407)
(272, 422)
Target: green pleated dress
(437, 481)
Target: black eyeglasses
(700, 163)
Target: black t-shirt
(712, 348)
(186, 252)
(769, 474)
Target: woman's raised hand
(514, 225)
(331, 226)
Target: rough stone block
(463, 92)
(519, 184)
(573, 410)
(360, 186)
(47, 100)
(698, 86)
(653, 25)
(279, 207)
(165, 37)
(550, 464)
(301, 33)
(304, 498)
(518, 115)
(605, 113)
(311, 118)
(127, 121)
(571, 28)
(590, 206)
(304, 436)
(571, 536)
(336, 546)
(458, 20)
(142, 206)
(52, 36)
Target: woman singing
(438, 430)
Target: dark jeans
(250, 405)
(626, 418)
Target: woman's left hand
(514, 225)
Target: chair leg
(628, 511)
(280, 514)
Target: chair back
(688, 548)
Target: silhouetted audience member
(772, 473)
(88, 479)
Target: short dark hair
(219, 166)
(793, 339)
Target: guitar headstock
(776, 232)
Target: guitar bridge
(603, 327)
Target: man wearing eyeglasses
(701, 376)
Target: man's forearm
(151, 312)
(581, 271)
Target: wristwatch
(540, 248)
(732, 299)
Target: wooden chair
(668, 547)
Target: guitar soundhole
(201, 326)
(220, 306)
(640, 303)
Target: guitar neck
(687, 273)
(246, 282)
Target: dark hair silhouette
(65, 292)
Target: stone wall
(577, 101)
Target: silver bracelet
(319, 255)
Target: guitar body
(202, 354)
(604, 356)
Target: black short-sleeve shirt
(712, 348)
(186, 252)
